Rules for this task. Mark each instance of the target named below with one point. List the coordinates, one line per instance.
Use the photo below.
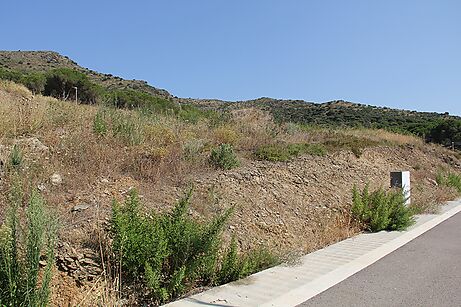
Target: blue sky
(396, 53)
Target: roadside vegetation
(23, 247)
(105, 148)
(173, 253)
(381, 210)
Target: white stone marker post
(402, 180)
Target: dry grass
(381, 136)
(153, 151)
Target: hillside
(82, 157)
(44, 61)
(23, 67)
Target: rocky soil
(291, 208)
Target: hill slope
(43, 61)
(439, 128)
(290, 207)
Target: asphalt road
(424, 272)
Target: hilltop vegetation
(51, 74)
(433, 127)
(44, 61)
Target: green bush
(172, 253)
(449, 179)
(224, 157)
(234, 267)
(61, 83)
(21, 247)
(34, 81)
(16, 157)
(381, 210)
(127, 127)
(100, 123)
(285, 152)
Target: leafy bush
(34, 81)
(172, 253)
(134, 99)
(285, 152)
(224, 157)
(61, 83)
(381, 210)
(21, 283)
(234, 267)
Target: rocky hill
(439, 128)
(43, 61)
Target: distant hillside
(44, 61)
(52, 74)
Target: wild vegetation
(61, 81)
(433, 127)
(381, 210)
(172, 253)
(22, 281)
(288, 184)
(449, 179)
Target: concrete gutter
(286, 285)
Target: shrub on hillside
(449, 179)
(172, 253)
(381, 210)
(16, 157)
(224, 157)
(34, 81)
(61, 83)
(21, 282)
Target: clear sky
(396, 53)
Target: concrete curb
(291, 285)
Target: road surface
(424, 272)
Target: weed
(381, 210)
(100, 123)
(16, 157)
(20, 252)
(224, 157)
(234, 267)
(127, 128)
(449, 179)
(172, 252)
(193, 148)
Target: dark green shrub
(224, 157)
(234, 267)
(381, 210)
(34, 81)
(172, 253)
(20, 249)
(61, 83)
(16, 157)
(146, 103)
(285, 152)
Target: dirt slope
(289, 207)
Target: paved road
(424, 272)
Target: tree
(61, 83)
